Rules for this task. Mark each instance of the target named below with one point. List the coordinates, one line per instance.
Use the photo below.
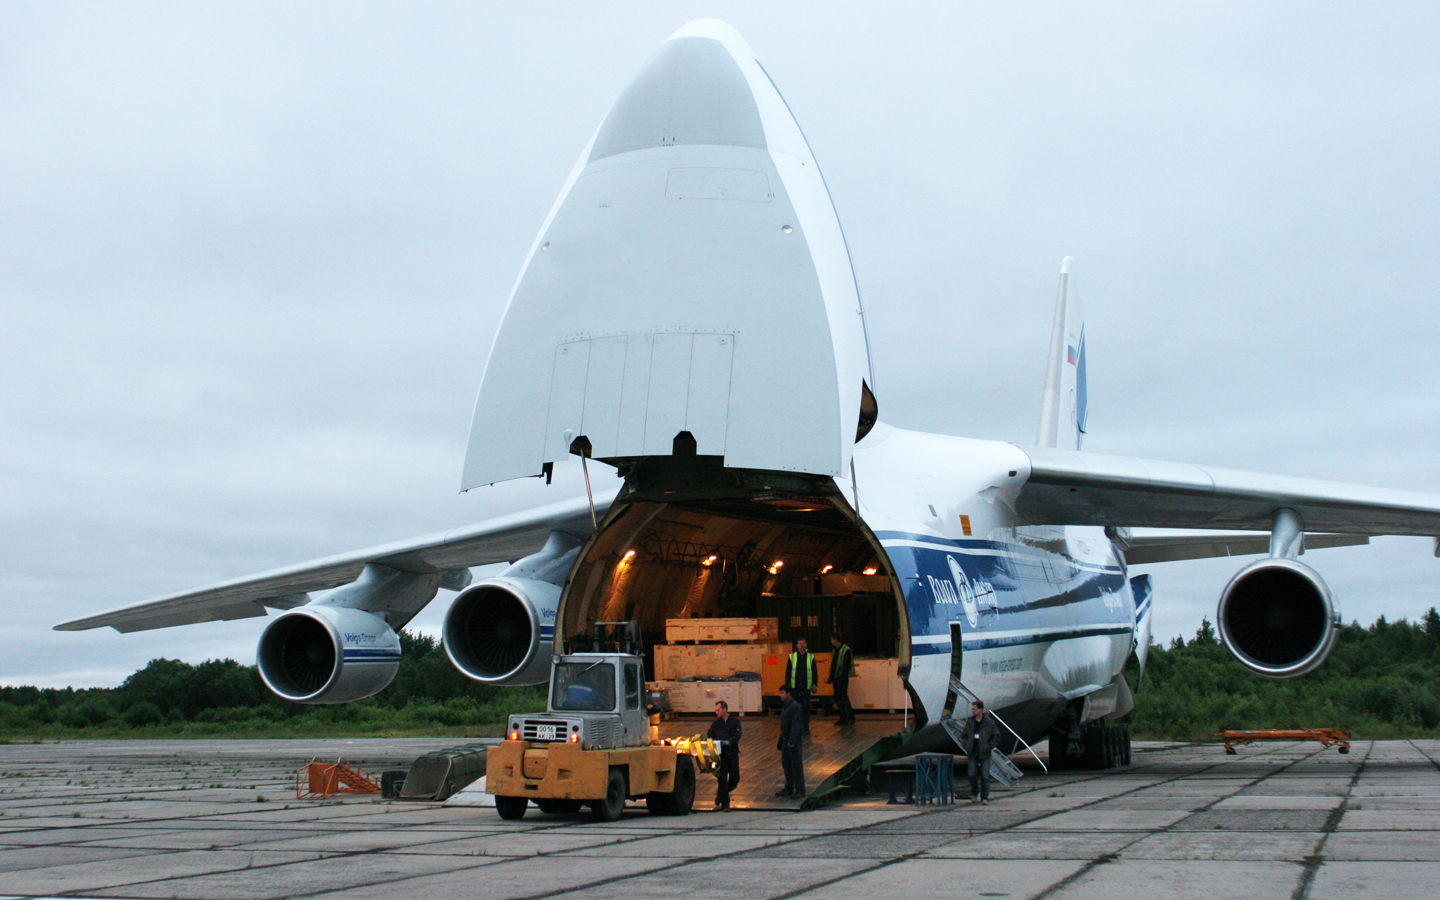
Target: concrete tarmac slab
(1391, 820)
(1024, 845)
(1294, 846)
(1383, 846)
(1375, 880)
(1183, 821)
(113, 875)
(950, 878)
(510, 879)
(330, 874)
(744, 876)
(1109, 819)
(1184, 880)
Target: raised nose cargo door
(691, 277)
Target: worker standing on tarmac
(726, 728)
(802, 675)
(842, 669)
(791, 744)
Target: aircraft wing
(1172, 548)
(1075, 487)
(501, 539)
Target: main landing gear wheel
(511, 807)
(609, 809)
(559, 806)
(1096, 747)
(1060, 752)
(1125, 746)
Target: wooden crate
(764, 630)
(877, 685)
(681, 695)
(714, 661)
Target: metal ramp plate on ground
(828, 751)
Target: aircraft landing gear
(1094, 745)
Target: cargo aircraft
(688, 314)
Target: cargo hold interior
(722, 589)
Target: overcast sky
(252, 257)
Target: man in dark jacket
(790, 745)
(842, 669)
(977, 739)
(726, 728)
(802, 675)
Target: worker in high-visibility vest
(802, 675)
(842, 669)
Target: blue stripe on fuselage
(1038, 595)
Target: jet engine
(327, 654)
(1277, 617)
(500, 630)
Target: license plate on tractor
(546, 733)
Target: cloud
(252, 259)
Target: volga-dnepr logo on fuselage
(960, 591)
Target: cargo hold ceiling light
(870, 570)
(776, 566)
(826, 570)
(709, 560)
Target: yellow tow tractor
(596, 743)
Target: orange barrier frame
(1326, 736)
(319, 780)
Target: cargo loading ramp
(828, 751)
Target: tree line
(220, 697)
(1381, 681)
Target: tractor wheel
(610, 808)
(682, 799)
(511, 807)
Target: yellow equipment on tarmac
(594, 743)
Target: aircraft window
(584, 687)
(632, 687)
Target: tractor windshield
(584, 687)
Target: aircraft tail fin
(1063, 407)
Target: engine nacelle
(1277, 617)
(328, 654)
(501, 630)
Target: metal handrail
(959, 687)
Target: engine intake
(1277, 617)
(501, 630)
(326, 654)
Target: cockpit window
(584, 687)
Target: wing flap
(502, 539)
(1143, 550)
(1072, 487)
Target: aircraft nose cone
(692, 91)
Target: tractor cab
(597, 698)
